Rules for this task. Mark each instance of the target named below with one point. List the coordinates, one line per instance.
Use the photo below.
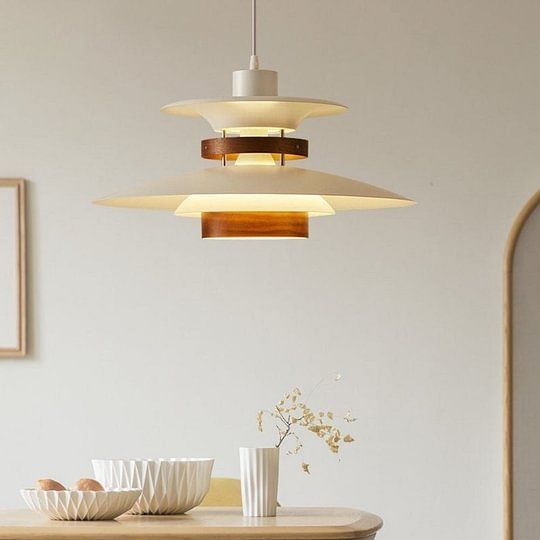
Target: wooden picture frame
(509, 366)
(13, 243)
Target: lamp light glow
(312, 205)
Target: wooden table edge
(91, 530)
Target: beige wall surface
(147, 341)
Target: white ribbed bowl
(81, 505)
(169, 486)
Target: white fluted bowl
(75, 505)
(169, 486)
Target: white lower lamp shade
(279, 194)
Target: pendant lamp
(252, 193)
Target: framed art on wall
(12, 268)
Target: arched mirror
(522, 376)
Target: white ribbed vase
(259, 474)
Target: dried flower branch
(291, 413)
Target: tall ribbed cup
(259, 473)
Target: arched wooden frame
(513, 238)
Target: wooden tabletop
(215, 523)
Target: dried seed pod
(48, 484)
(88, 484)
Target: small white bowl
(81, 505)
(169, 486)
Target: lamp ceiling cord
(254, 60)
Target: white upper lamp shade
(273, 113)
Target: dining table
(217, 523)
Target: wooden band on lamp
(232, 146)
(255, 225)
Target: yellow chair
(223, 492)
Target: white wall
(147, 341)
